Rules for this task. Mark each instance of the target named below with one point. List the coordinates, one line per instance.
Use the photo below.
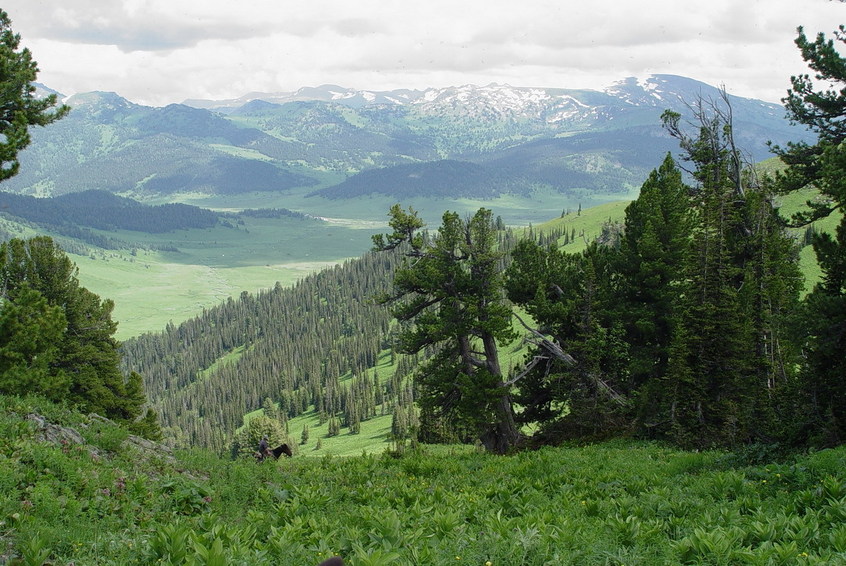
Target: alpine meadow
(479, 325)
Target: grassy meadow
(151, 287)
(104, 501)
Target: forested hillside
(289, 344)
(105, 211)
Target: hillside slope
(100, 501)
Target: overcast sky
(161, 51)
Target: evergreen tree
(30, 330)
(741, 283)
(823, 166)
(579, 392)
(246, 441)
(85, 357)
(19, 108)
(653, 251)
(450, 300)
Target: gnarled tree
(448, 297)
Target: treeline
(103, 210)
(273, 213)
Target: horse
(281, 449)
(276, 452)
(334, 561)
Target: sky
(157, 52)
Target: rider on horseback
(263, 449)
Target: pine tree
(653, 251)
(449, 297)
(740, 286)
(569, 296)
(86, 355)
(30, 330)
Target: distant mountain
(454, 142)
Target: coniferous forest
(684, 324)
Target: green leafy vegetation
(58, 336)
(612, 503)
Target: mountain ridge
(308, 143)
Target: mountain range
(331, 142)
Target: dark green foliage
(19, 108)
(82, 363)
(653, 252)
(569, 296)
(822, 165)
(729, 356)
(675, 326)
(104, 211)
(450, 299)
(30, 330)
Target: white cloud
(161, 51)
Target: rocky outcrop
(46, 431)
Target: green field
(152, 288)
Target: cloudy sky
(161, 51)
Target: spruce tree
(741, 284)
(85, 356)
(653, 252)
(581, 392)
(30, 330)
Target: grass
(616, 503)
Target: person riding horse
(263, 449)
